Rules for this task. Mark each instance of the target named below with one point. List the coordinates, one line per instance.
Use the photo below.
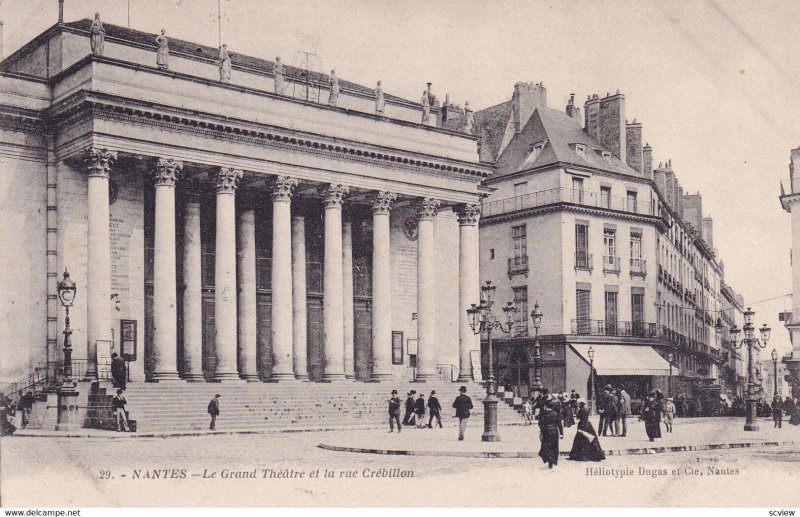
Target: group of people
(417, 408)
(789, 407)
(18, 410)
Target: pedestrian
(788, 407)
(624, 410)
(651, 414)
(550, 431)
(213, 410)
(603, 400)
(777, 412)
(6, 427)
(527, 412)
(394, 412)
(118, 374)
(795, 418)
(669, 414)
(612, 413)
(408, 419)
(586, 446)
(419, 411)
(566, 411)
(434, 410)
(462, 404)
(118, 406)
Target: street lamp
(590, 352)
(670, 358)
(536, 315)
(66, 294)
(775, 373)
(750, 342)
(482, 320)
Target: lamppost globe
(765, 330)
(718, 326)
(66, 290)
(748, 316)
(536, 315)
(774, 356)
(670, 357)
(590, 353)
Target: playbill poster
(418, 254)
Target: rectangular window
(632, 205)
(491, 253)
(605, 197)
(521, 315)
(519, 237)
(610, 242)
(611, 313)
(520, 188)
(577, 190)
(582, 246)
(583, 311)
(637, 314)
(636, 246)
(397, 347)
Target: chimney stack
(572, 110)
(633, 139)
(527, 97)
(2, 56)
(591, 113)
(660, 179)
(647, 161)
(61, 12)
(708, 232)
(693, 211)
(612, 125)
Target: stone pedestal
(69, 418)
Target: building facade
(221, 226)
(791, 203)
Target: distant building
(791, 203)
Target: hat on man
(433, 392)
(217, 396)
(394, 392)
(462, 389)
(608, 387)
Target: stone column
(192, 290)
(332, 283)
(165, 298)
(299, 302)
(426, 290)
(98, 255)
(282, 326)
(225, 275)
(246, 272)
(381, 287)
(348, 322)
(468, 286)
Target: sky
(715, 84)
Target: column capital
(334, 195)
(427, 207)
(382, 203)
(469, 214)
(99, 161)
(227, 179)
(167, 172)
(283, 188)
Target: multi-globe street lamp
(482, 320)
(750, 342)
(536, 316)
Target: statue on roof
(162, 54)
(97, 35)
(280, 72)
(469, 119)
(426, 108)
(224, 64)
(380, 101)
(333, 96)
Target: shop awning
(625, 359)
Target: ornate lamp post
(775, 373)
(749, 341)
(670, 359)
(482, 320)
(591, 368)
(67, 395)
(536, 315)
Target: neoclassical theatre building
(222, 224)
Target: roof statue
(280, 72)
(380, 101)
(426, 108)
(333, 96)
(98, 35)
(224, 64)
(469, 118)
(162, 54)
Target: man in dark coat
(409, 408)
(118, 371)
(777, 412)
(550, 431)
(26, 405)
(419, 411)
(603, 399)
(462, 404)
(434, 410)
(213, 410)
(394, 412)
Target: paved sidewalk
(690, 434)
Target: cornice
(21, 119)
(103, 106)
(581, 209)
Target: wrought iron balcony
(611, 264)
(571, 196)
(638, 267)
(584, 327)
(518, 266)
(583, 260)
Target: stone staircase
(296, 406)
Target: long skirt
(795, 419)
(569, 419)
(586, 448)
(653, 428)
(549, 449)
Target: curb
(531, 454)
(112, 435)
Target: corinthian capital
(283, 187)
(227, 180)
(99, 161)
(167, 172)
(427, 208)
(382, 203)
(334, 195)
(469, 214)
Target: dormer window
(605, 154)
(536, 149)
(579, 148)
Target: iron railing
(518, 266)
(583, 260)
(447, 372)
(638, 267)
(571, 196)
(585, 327)
(611, 264)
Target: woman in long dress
(550, 431)
(224, 64)
(566, 411)
(586, 446)
(162, 54)
(651, 414)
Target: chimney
(527, 97)
(693, 211)
(591, 113)
(794, 170)
(660, 179)
(679, 198)
(572, 110)
(2, 56)
(61, 12)
(670, 189)
(612, 124)
(633, 139)
(708, 232)
(647, 161)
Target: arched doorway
(516, 372)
